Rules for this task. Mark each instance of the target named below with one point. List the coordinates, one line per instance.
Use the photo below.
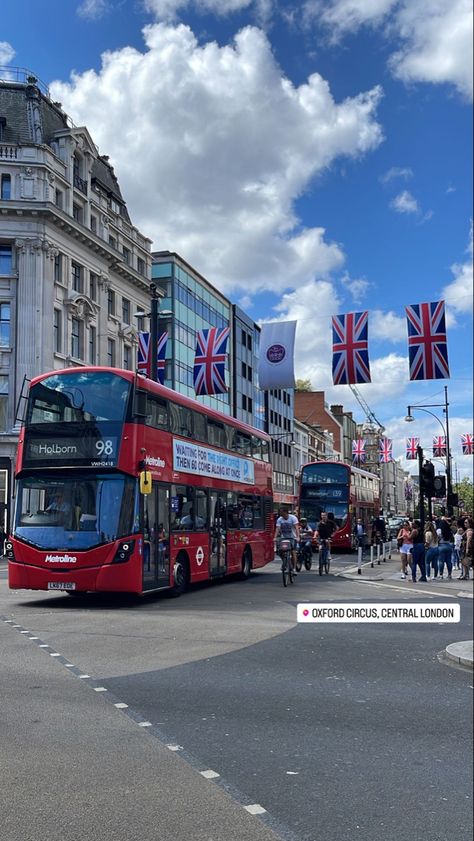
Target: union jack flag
(427, 341)
(467, 442)
(209, 361)
(385, 450)
(350, 355)
(439, 446)
(358, 450)
(144, 359)
(412, 448)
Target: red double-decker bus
(345, 492)
(124, 485)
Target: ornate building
(73, 268)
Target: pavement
(387, 570)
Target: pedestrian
(431, 550)
(418, 552)
(445, 547)
(467, 552)
(406, 546)
(457, 547)
(333, 525)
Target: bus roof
(160, 390)
(341, 464)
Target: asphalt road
(337, 731)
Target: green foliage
(303, 385)
(465, 491)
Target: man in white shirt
(287, 527)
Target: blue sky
(308, 158)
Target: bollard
(378, 553)
(359, 560)
(371, 556)
(389, 551)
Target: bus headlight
(125, 549)
(9, 553)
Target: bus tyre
(246, 565)
(180, 576)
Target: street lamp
(154, 315)
(284, 435)
(425, 407)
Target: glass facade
(195, 306)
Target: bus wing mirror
(146, 482)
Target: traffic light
(427, 480)
(452, 500)
(440, 487)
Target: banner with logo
(277, 350)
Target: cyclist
(287, 526)
(306, 536)
(324, 530)
(378, 530)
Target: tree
(465, 491)
(303, 385)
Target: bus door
(156, 544)
(218, 532)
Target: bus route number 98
(105, 448)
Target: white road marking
(43, 645)
(81, 677)
(33, 638)
(100, 689)
(54, 654)
(255, 809)
(174, 747)
(145, 724)
(406, 589)
(69, 665)
(209, 775)
(121, 706)
(24, 632)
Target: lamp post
(154, 316)
(425, 407)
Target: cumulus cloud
(212, 146)
(459, 293)
(357, 287)
(93, 9)
(396, 172)
(435, 36)
(170, 10)
(405, 203)
(7, 53)
(387, 326)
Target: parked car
(394, 525)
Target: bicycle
(285, 552)
(324, 561)
(305, 555)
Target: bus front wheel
(181, 575)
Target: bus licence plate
(61, 585)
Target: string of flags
(440, 449)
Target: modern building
(73, 267)
(349, 430)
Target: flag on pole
(209, 361)
(350, 354)
(276, 358)
(439, 446)
(427, 341)
(408, 489)
(385, 450)
(144, 358)
(467, 442)
(358, 450)
(412, 448)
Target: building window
(78, 212)
(244, 370)
(244, 338)
(141, 323)
(125, 311)
(6, 187)
(127, 256)
(93, 224)
(93, 286)
(5, 259)
(59, 199)
(5, 325)
(3, 403)
(77, 277)
(141, 266)
(111, 353)
(111, 302)
(244, 402)
(249, 341)
(57, 331)
(58, 268)
(112, 242)
(127, 358)
(92, 345)
(76, 338)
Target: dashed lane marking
(255, 809)
(209, 774)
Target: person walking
(431, 550)
(458, 538)
(406, 546)
(418, 552)
(468, 549)
(445, 547)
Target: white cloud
(396, 172)
(357, 287)
(435, 36)
(460, 292)
(93, 9)
(7, 53)
(405, 203)
(387, 326)
(170, 10)
(212, 146)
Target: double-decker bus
(125, 485)
(344, 492)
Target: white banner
(276, 360)
(193, 458)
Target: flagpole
(154, 332)
(449, 499)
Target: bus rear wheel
(181, 575)
(246, 565)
